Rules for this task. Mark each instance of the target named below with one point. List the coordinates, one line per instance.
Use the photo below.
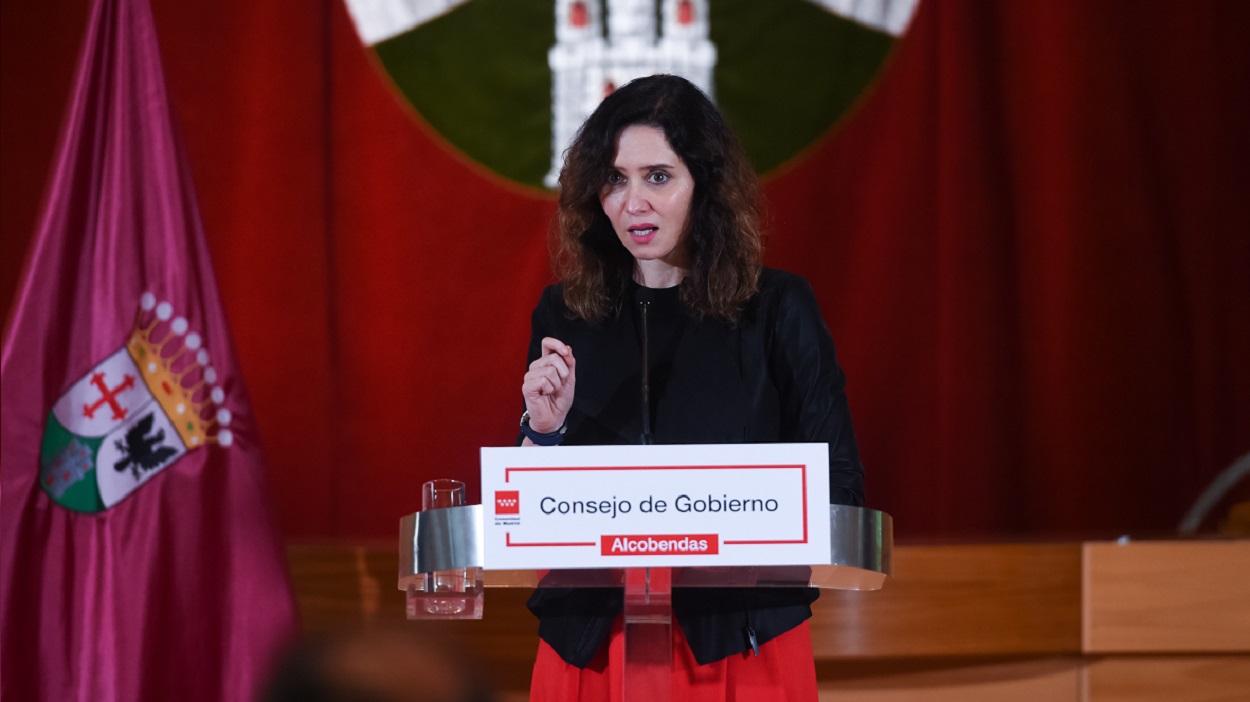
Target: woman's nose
(635, 200)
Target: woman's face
(647, 197)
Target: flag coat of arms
(139, 556)
(135, 412)
(83, 437)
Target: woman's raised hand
(548, 386)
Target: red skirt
(784, 670)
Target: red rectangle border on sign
(507, 477)
(510, 543)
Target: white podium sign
(654, 506)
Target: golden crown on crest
(175, 366)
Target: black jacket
(771, 377)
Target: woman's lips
(643, 233)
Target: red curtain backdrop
(1031, 241)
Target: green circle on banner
(785, 71)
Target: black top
(659, 312)
(771, 377)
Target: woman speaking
(658, 246)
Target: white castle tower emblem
(586, 65)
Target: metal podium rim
(861, 549)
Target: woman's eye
(615, 178)
(659, 177)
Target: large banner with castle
(510, 82)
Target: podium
(450, 543)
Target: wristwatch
(552, 439)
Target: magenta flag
(140, 558)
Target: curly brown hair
(723, 232)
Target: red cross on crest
(109, 396)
